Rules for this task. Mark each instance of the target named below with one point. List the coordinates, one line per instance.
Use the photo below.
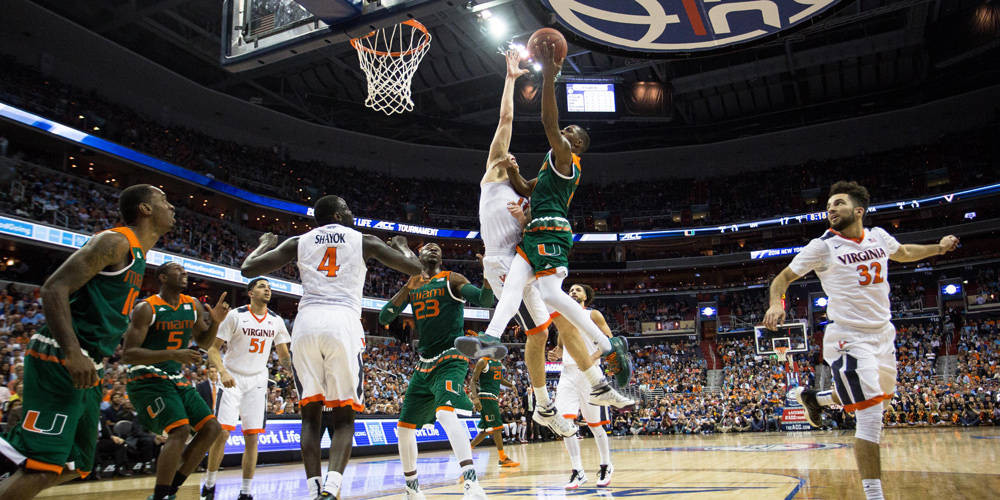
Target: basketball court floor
(918, 463)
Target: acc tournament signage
(285, 435)
(681, 25)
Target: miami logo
(53, 427)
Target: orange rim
(413, 23)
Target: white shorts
(532, 314)
(572, 394)
(245, 402)
(863, 363)
(327, 342)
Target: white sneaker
(549, 417)
(605, 395)
(604, 475)
(411, 494)
(473, 491)
(576, 479)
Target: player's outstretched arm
(133, 352)
(775, 314)
(209, 320)
(561, 148)
(264, 260)
(912, 253)
(103, 250)
(461, 287)
(396, 254)
(501, 138)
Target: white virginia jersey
(568, 360)
(854, 275)
(332, 267)
(500, 231)
(248, 340)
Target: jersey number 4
(329, 262)
(865, 273)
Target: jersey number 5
(329, 262)
(174, 340)
(866, 277)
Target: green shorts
(61, 423)
(546, 244)
(490, 418)
(439, 384)
(163, 404)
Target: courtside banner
(71, 239)
(286, 435)
(793, 417)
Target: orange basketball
(548, 35)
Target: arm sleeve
(282, 337)
(812, 258)
(891, 244)
(482, 297)
(227, 327)
(390, 311)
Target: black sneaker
(245, 496)
(619, 361)
(207, 493)
(807, 398)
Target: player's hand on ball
(227, 379)
(947, 244)
(514, 69)
(774, 316)
(187, 356)
(547, 58)
(268, 240)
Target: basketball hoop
(782, 353)
(389, 57)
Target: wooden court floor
(918, 463)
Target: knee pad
(869, 425)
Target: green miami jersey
(171, 329)
(489, 380)
(554, 192)
(101, 307)
(439, 315)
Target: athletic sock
(873, 489)
(315, 486)
(603, 447)
(245, 487)
(541, 396)
(469, 473)
(503, 456)
(412, 482)
(161, 491)
(333, 480)
(573, 448)
(824, 398)
(594, 375)
(210, 478)
(177, 482)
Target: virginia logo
(55, 426)
(681, 25)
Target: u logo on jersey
(159, 406)
(549, 250)
(448, 387)
(55, 428)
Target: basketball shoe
(807, 398)
(549, 417)
(481, 346)
(576, 479)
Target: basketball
(548, 35)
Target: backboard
(259, 32)
(791, 335)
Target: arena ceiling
(866, 56)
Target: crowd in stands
(961, 160)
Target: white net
(389, 57)
(781, 353)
